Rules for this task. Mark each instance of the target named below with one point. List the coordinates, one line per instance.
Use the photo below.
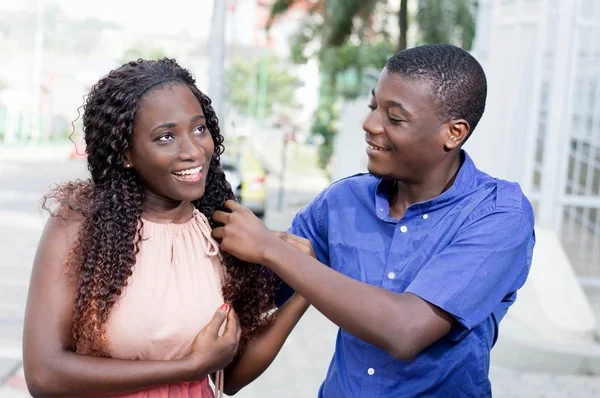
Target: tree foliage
(261, 86)
(349, 37)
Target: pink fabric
(174, 291)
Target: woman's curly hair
(110, 205)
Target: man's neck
(402, 195)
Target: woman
(127, 277)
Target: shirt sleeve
(487, 261)
(310, 223)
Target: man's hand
(243, 234)
(299, 243)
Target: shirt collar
(465, 179)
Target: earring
(128, 166)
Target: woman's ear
(127, 160)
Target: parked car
(232, 174)
(248, 183)
(254, 194)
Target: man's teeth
(377, 148)
(195, 170)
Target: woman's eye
(165, 137)
(201, 129)
(372, 107)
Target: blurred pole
(403, 24)
(251, 106)
(282, 172)
(36, 79)
(217, 59)
(261, 101)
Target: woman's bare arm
(52, 368)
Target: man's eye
(372, 107)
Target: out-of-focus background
(290, 81)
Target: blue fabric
(467, 251)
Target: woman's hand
(299, 243)
(211, 351)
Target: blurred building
(49, 59)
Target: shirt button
(391, 275)
(403, 229)
(371, 371)
(425, 216)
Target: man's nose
(372, 123)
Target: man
(423, 255)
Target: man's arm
(375, 315)
(483, 257)
(400, 324)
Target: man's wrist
(271, 252)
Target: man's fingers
(221, 216)
(217, 233)
(298, 242)
(288, 237)
(232, 205)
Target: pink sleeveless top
(172, 294)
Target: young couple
(150, 278)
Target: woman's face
(171, 145)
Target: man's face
(405, 138)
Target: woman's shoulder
(68, 205)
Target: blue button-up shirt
(466, 251)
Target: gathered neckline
(195, 214)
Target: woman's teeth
(187, 172)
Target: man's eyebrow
(396, 104)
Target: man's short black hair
(458, 83)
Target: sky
(161, 17)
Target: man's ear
(457, 132)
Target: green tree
(447, 22)
(438, 21)
(349, 37)
(261, 87)
(142, 51)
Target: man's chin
(376, 171)
(381, 173)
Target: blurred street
(302, 364)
